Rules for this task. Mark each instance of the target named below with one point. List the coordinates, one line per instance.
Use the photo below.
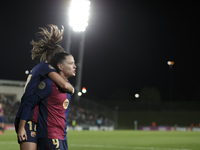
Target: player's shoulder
(47, 81)
(43, 65)
(37, 67)
(46, 65)
(45, 84)
(42, 69)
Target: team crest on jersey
(33, 134)
(41, 85)
(66, 104)
(51, 67)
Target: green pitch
(120, 140)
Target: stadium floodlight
(137, 95)
(79, 14)
(170, 63)
(79, 93)
(84, 90)
(78, 20)
(26, 72)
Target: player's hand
(72, 93)
(22, 134)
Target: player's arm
(1, 113)
(21, 134)
(67, 87)
(26, 110)
(47, 69)
(31, 102)
(42, 91)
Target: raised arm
(67, 87)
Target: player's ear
(60, 67)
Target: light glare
(136, 95)
(170, 63)
(79, 93)
(79, 14)
(26, 72)
(84, 90)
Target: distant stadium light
(170, 63)
(79, 93)
(26, 72)
(84, 90)
(137, 95)
(79, 14)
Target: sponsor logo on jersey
(41, 85)
(66, 104)
(33, 134)
(51, 67)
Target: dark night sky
(128, 43)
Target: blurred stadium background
(91, 114)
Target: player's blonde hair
(48, 46)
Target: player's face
(68, 66)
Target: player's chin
(73, 74)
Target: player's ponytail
(48, 46)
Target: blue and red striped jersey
(53, 111)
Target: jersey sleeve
(42, 91)
(28, 106)
(46, 69)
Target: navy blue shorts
(52, 144)
(31, 131)
(30, 128)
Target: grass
(120, 140)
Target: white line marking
(125, 147)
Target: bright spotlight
(79, 14)
(79, 93)
(137, 95)
(170, 63)
(84, 90)
(26, 72)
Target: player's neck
(63, 76)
